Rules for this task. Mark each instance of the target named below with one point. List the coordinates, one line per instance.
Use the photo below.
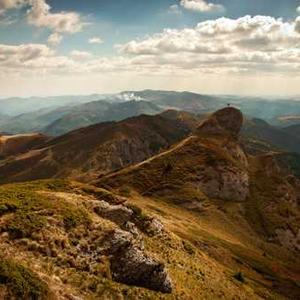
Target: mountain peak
(227, 121)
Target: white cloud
(63, 22)
(95, 40)
(80, 54)
(10, 4)
(222, 48)
(245, 44)
(201, 6)
(55, 39)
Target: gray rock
(131, 265)
(118, 214)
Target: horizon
(262, 96)
(211, 47)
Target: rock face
(225, 182)
(130, 265)
(227, 121)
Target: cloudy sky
(53, 47)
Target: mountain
(277, 138)
(243, 210)
(99, 111)
(269, 109)
(94, 150)
(293, 130)
(18, 106)
(187, 101)
(285, 121)
(63, 119)
(58, 115)
(201, 218)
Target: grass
(21, 282)
(29, 207)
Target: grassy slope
(202, 251)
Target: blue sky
(128, 34)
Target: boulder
(131, 265)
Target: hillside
(278, 138)
(107, 146)
(97, 112)
(103, 246)
(293, 130)
(250, 198)
(16, 144)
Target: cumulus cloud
(95, 40)
(201, 6)
(80, 54)
(40, 15)
(247, 43)
(55, 39)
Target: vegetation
(21, 282)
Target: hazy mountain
(99, 111)
(278, 138)
(293, 130)
(58, 115)
(17, 106)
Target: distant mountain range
(58, 115)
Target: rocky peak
(226, 121)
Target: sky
(56, 47)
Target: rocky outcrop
(226, 121)
(131, 265)
(118, 214)
(224, 182)
(288, 239)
